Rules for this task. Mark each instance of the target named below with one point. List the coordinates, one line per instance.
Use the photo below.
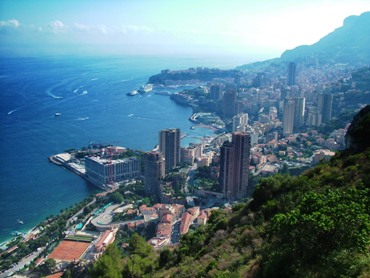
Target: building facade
(299, 112)
(169, 147)
(288, 116)
(101, 171)
(191, 153)
(291, 73)
(324, 106)
(240, 122)
(229, 103)
(234, 166)
(154, 165)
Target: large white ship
(146, 88)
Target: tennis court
(69, 250)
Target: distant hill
(167, 77)
(347, 44)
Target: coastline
(24, 235)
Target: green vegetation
(177, 181)
(140, 260)
(109, 265)
(116, 197)
(203, 179)
(47, 267)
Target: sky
(253, 30)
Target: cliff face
(358, 134)
(347, 44)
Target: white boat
(57, 114)
(20, 221)
(133, 93)
(146, 88)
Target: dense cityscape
(241, 202)
(264, 122)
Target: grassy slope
(316, 224)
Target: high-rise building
(299, 110)
(216, 92)
(234, 166)
(101, 171)
(240, 122)
(229, 101)
(154, 165)
(169, 147)
(288, 116)
(291, 73)
(191, 153)
(324, 107)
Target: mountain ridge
(346, 44)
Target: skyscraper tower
(234, 166)
(216, 92)
(169, 147)
(299, 110)
(324, 107)
(288, 116)
(154, 172)
(229, 101)
(291, 73)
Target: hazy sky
(261, 29)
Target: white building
(102, 171)
(240, 122)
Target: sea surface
(90, 94)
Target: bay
(90, 94)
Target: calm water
(91, 95)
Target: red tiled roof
(167, 218)
(164, 230)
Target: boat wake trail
(49, 93)
(12, 111)
(82, 118)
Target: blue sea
(90, 94)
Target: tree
(324, 229)
(48, 266)
(139, 246)
(109, 265)
(116, 197)
(165, 257)
(137, 266)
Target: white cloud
(103, 29)
(57, 26)
(10, 23)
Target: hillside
(347, 44)
(313, 225)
